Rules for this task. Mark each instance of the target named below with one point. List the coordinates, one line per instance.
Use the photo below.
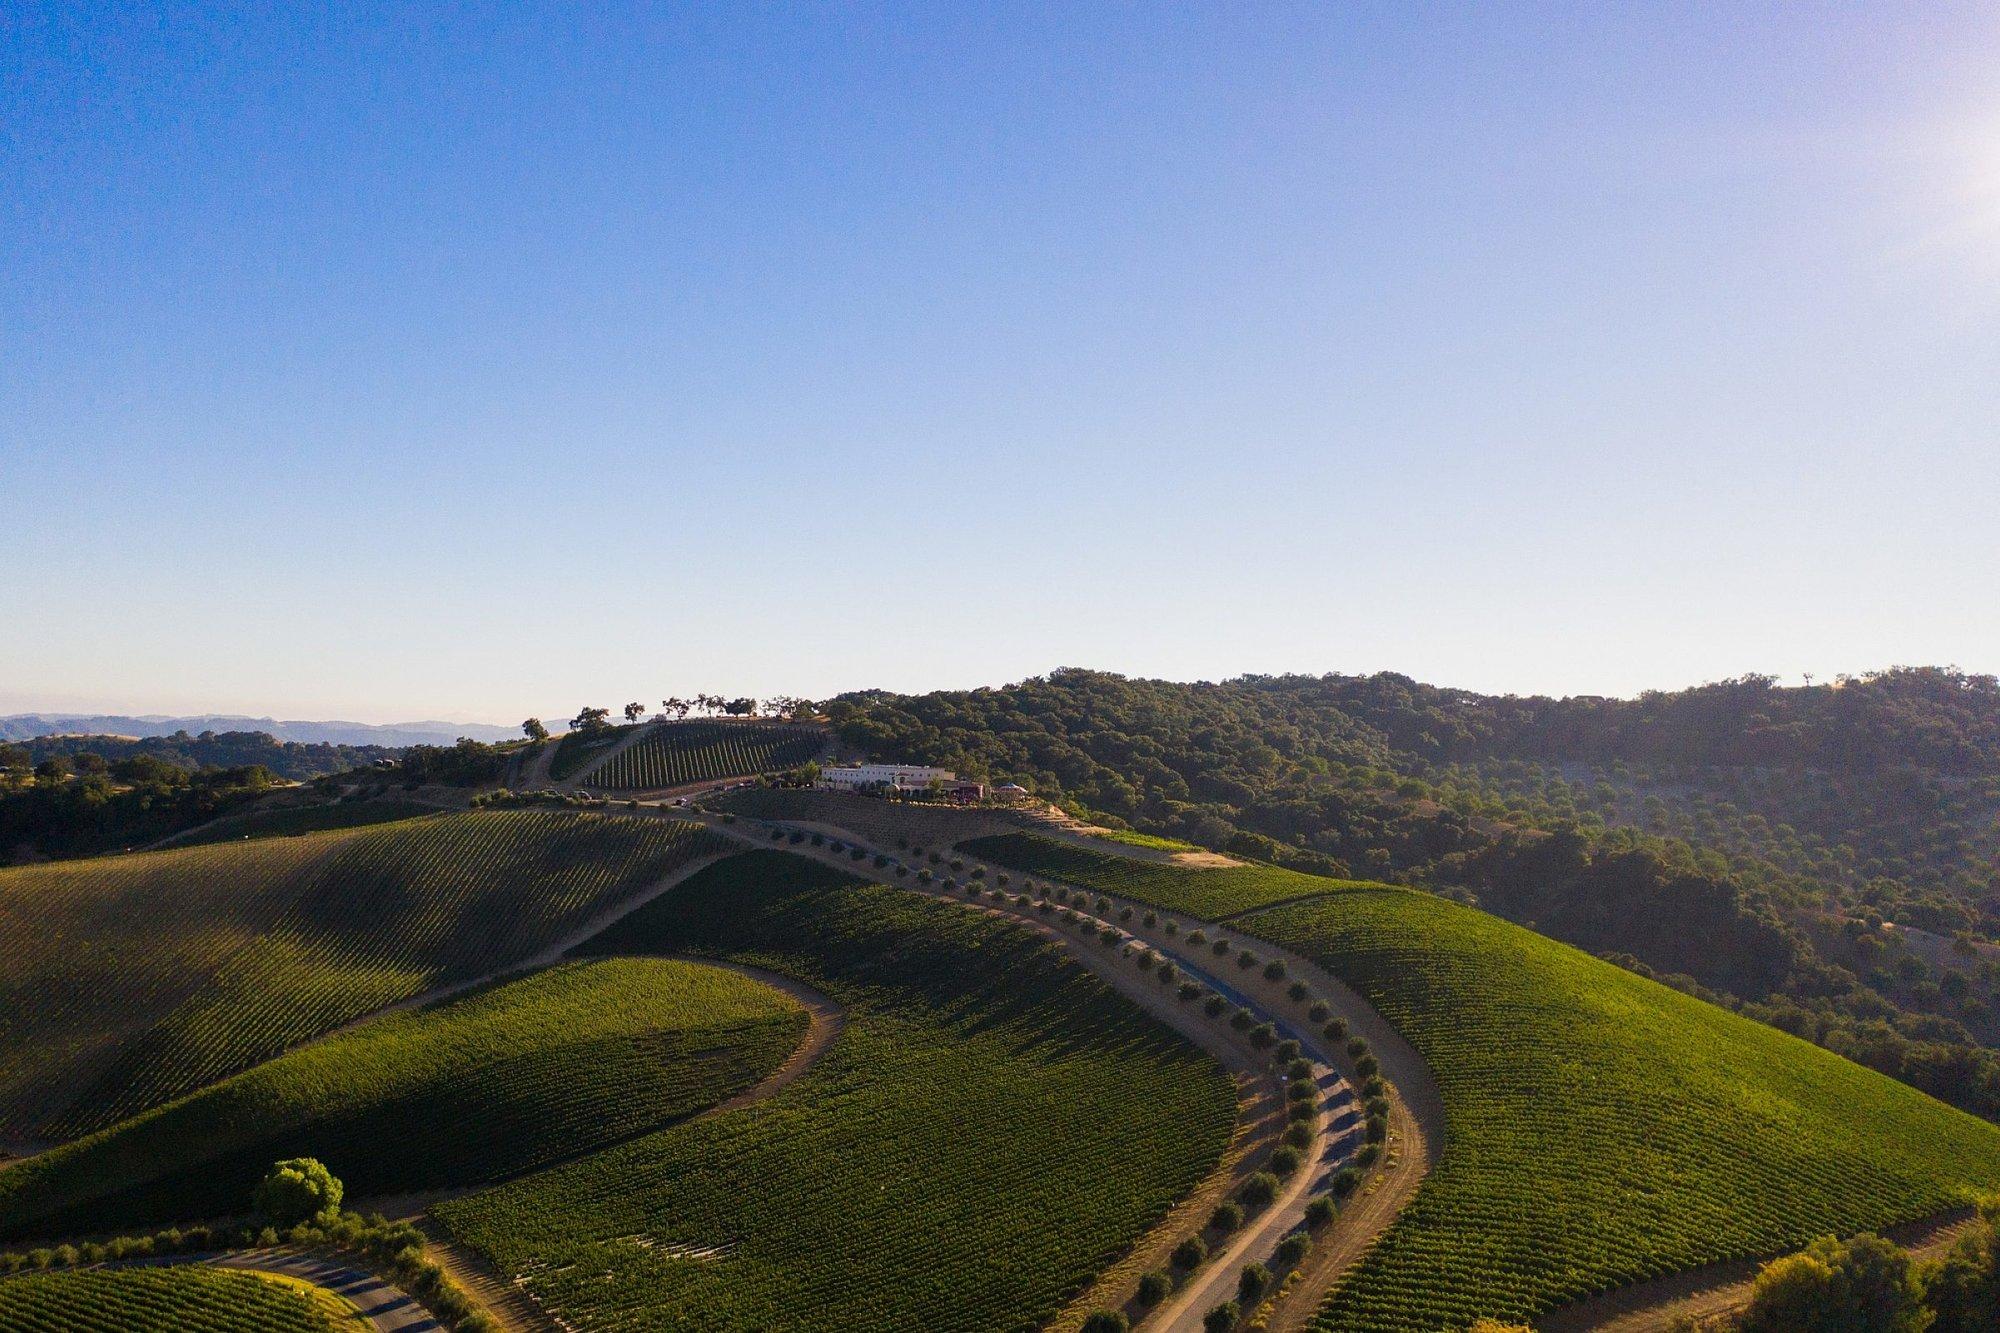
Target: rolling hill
(481, 1087)
(1600, 1128)
(993, 1125)
(133, 980)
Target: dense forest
(1769, 847)
(297, 760)
(63, 796)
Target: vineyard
(1205, 892)
(158, 1300)
(285, 821)
(135, 979)
(578, 748)
(992, 1127)
(676, 753)
(484, 1087)
(1602, 1129)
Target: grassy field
(676, 753)
(131, 980)
(285, 821)
(992, 1127)
(158, 1300)
(486, 1086)
(1211, 893)
(1600, 1128)
(578, 748)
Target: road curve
(1337, 1132)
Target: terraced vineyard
(993, 1125)
(1600, 1128)
(1205, 892)
(481, 1088)
(676, 753)
(578, 748)
(157, 1300)
(132, 980)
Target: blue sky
(487, 360)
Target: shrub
(1259, 1189)
(1172, 928)
(1346, 1181)
(1301, 1090)
(1189, 1253)
(1167, 971)
(1293, 1247)
(1370, 1154)
(1356, 1049)
(1263, 1036)
(1103, 904)
(296, 1189)
(1220, 948)
(1297, 1068)
(1227, 1216)
(1106, 1321)
(1335, 1030)
(1003, 881)
(1318, 1013)
(1298, 1136)
(1285, 1162)
(1251, 1282)
(1196, 937)
(1297, 992)
(1154, 1288)
(1286, 1052)
(1374, 1087)
(1152, 918)
(796, 837)
(1242, 1020)
(777, 835)
(1376, 1106)
(1214, 1006)
(1222, 1318)
(957, 863)
(819, 840)
(1302, 1113)
(1246, 960)
(1144, 962)
(978, 872)
(1378, 1128)
(1367, 1066)
(1320, 1211)
(1865, 1283)
(1275, 971)
(1188, 991)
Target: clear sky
(472, 361)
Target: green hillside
(132, 980)
(675, 753)
(492, 1084)
(1210, 893)
(158, 1300)
(287, 821)
(578, 748)
(1600, 1128)
(992, 1126)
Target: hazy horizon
(365, 365)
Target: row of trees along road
(675, 709)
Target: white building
(903, 777)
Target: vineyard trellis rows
(674, 754)
(1604, 1129)
(993, 1126)
(1652, 1132)
(156, 1300)
(302, 935)
(488, 1085)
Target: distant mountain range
(25, 726)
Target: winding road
(1416, 1116)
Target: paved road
(387, 1308)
